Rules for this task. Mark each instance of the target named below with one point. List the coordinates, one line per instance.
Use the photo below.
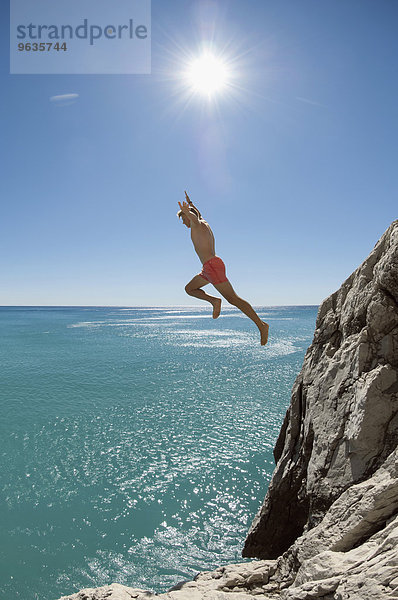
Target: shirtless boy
(213, 268)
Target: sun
(207, 74)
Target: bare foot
(216, 308)
(264, 333)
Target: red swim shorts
(214, 270)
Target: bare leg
(230, 295)
(193, 289)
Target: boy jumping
(213, 270)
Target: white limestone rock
(231, 582)
(342, 422)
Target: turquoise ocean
(136, 443)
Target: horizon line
(136, 305)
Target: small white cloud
(64, 99)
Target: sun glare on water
(207, 74)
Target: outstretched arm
(191, 203)
(185, 209)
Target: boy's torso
(203, 240)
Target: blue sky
(295, 168)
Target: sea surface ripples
(136, 443)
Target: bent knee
(188, 289)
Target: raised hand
(184, 207)
(187, 198)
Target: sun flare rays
(207, 74)
(206, 77)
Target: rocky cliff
(342, 422)
(328, 527)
